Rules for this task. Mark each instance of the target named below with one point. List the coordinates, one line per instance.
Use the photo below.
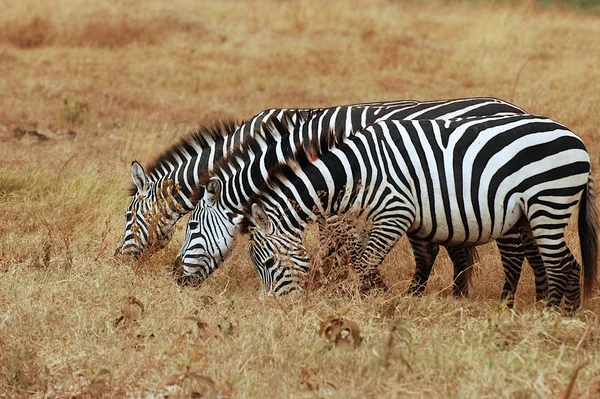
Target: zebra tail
(588, 237)
(472, 257)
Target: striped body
(162, 194)
(460, 182)
(213, 224)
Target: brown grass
(144, 73)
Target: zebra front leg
(340, 235)
(425, 253)
(382, 239)
(463, 260)
(329, 238)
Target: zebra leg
(512, 257)
(573, 289)
(336, 234)
(534, 258)
(332, 259)
(425, 254)
(356, 244)
(557, 260)
(463, 259)
(382, 239)
(548, 214)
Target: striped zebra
(459, 182)
(161, 195)
(213, 225)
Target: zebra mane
(202, 137)
(269, 133)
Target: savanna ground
(87, 87)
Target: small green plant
(74, 112)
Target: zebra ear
(212, 189)
(139, 176)
(261, 220)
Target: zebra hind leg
(534, 258)
(573, 289)
(512, 257)
(425, 254)
(463, 260)
(559, 264)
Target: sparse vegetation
(74, 112)
(147, 73)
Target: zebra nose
(117, 251)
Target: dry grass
(136, 75)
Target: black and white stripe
(461, 182)
(212, 227)
(162, 194)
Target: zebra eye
(269, 263)
(129, 216)
(193, 225)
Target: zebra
(486, 175)
(213, 225)
(161, 195)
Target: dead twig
(512, 94)
(103, 241)
(572, 380)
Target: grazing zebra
(459, 182)
(161, 195)
(213, 225)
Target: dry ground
(88, 87)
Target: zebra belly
(453, 229)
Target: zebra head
(279, 256)
(209, 235)
(150, 216)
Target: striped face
(209, 235)
(149, 219)
(279, 257)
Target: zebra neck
(175, 185)
(244, 179)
